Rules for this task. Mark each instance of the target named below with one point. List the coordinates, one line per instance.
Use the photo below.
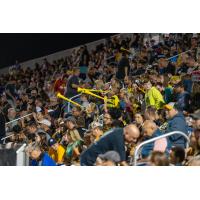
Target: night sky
(23, 47)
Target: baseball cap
(94, 125)
(45, 122)
(196, 115)
(110, 155)
(179, 84)
(170, 106)
(51, 142)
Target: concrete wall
(64, 53)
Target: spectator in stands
(56, 151)
(123, 67)
(196, 120)
(71, 125)
(166, 67)
(150, 130)
(153, 97)
(78, 114)
(139, 120)
(33, 130)
(176, 122)
(11, 91)
(152, 114)
(110, 158)
(177, 156)
(72, 84)
(40, 158)
(183, 97)
(112, 140)
(96, 130)
(107, 122)
(84, 62)
(84, 100)
(158, 158)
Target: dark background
(26, 46)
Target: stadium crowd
(127, 91)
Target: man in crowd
(96, 130)
(110, 158)
(115, 140)
(150, 130)
(177, 156)
(79, 117)
(196, 120)
(123, 67)
(39, 158)
(72, 84)
(183, 97)
(153, 97)
(107, 122)
(11, 91)
(33, 130)
(176, 122)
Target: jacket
(154, 98)
(177, 123)
(158, 145)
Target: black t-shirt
(170, 69)
(112, 140)
(124, 62)
(71, 91)
(2, 126)
(84, 59)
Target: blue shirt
(46, 160)
(148, 148)
(177, 123)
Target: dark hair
(150, 111)
(117, 123)
(17, 129)
(179, 153)
(115, 113)
(159, 158)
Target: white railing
(18, 118)
(22, 157)
(69, 104)
(157, 138)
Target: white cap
(45, 122)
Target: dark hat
(179, 84)
(196, 115)
(111, 156)
(51, 142)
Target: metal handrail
(157, 138)
(18, 118)
(68, 106)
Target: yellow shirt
(57, 156)
(153, 97)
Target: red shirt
(59, 86)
